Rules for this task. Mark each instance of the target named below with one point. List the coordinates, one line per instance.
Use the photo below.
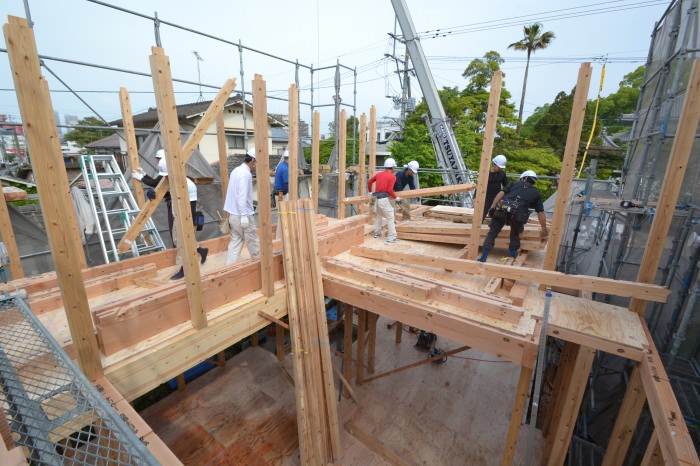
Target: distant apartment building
(70, 120)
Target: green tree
(620, 102)
(534, 39)
(83, 136)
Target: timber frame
(135, 345)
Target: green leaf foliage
(83, 136)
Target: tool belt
(380, 195)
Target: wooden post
(673, 180)
(578, 112)
(347, 342)
(8, 237)
(52, 182)
(342, 145)
(362, 184)
(175, 159)
(371, 341)
(486, 151)
(516, 416)
(372, 141)
(315, 154)
(568, 403)
(262, 157)
(293, 139)
(223, 152)
(279, 342)
(360, 359)
(199, 131)
(399, 331)
(626, 421)
(131, 147)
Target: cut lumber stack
(458, 233)
(451, 214)
(317, 414)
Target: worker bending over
(384, 190)
(405, 178)
(512, 207)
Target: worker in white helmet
(384, 190)
(405, 178)
(512, 207)
(497, 181)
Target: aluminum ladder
(114, 208)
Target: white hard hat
(529, 174)
(251, 153)
(160, 153)
(389, 163)
(500, 161)
(413, 166)
(162, 168)
(286, 153)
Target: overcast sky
(319, 33)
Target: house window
(235, 141)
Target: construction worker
(192, 193)
(382, 192)
(497, 181)
(512, 207)
(405, 178)
(280, 190)
(239, 205)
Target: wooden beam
(372, 141)
(131, 147)
(293, 142)
(419, 363)
(8, 237)
(578, 112)
(263, 162)
(349, 311)
(674, 439)
(516, 416)
(11, 194)
(568, 403)
(626, 422)
(176, 159)
(342, 147)
(543, 277)
(423, 192)
(52, 182)
(520, 350)
(653, 456)
(274, 319)
(362, 184)
(192, 142)
(375, 445)
(673, 180)
(223, 152)
(485, 164)
(143, 372)
(315, 154)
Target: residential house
(238, 130)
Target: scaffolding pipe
(688, 312)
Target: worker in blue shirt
(405, 178)
(282, 177)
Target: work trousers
(404, 206)
(240, 234)
(385, 210)
(497, 224)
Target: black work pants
(495, 227)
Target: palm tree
(534, 39)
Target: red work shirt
(384, 181)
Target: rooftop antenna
(199, 76)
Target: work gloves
(151, 193)
(137, 174)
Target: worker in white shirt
(239, 205)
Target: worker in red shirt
(383, 190)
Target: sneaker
(203, 252)
(437, 352)
(180, 274)
(392, 241)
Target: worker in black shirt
(497, 181)
(405, 178)
(512, 207)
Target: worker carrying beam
(405, 178)
(512, 207)
(383, 190)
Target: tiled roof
(184, 112)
